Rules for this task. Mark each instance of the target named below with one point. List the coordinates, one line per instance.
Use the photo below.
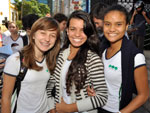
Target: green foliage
(19, 24)
(44, 9)
(32, 6)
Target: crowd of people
(81, 63)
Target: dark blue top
(139, 22)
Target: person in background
(27, 22)
(124, 66)
(40, 59)
(96, 14)
(79, 65)
(62, 20)
(139, 18)
(14, 39)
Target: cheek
(53, 41)
(105, 30)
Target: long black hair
(77, 72)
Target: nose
(77, 33)
(112, 28)
(47, 38)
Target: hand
(90, 91)
(135, 12)
(2, 63)
(52, 111)
(143, 13)
(61, 107)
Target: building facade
(68, 6)
(8, 12)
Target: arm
(132, 18)
(66, 108)
(145, 16)
(7, 90)
(49, 88)
(142, 90)
(11, 70)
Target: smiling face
(44, 40)
(75, 33)
(12, 28)
(115, 26)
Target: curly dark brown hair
(77, 72)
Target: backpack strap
(19, 79)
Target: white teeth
(45, 44)
(77, 40)
(112, 35)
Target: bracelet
(119, 112)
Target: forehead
(115, 16)
(76, 22)
(11, 24)
(97, 20)
(64, 21)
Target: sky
(12, 1)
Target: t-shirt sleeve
(12, 65)
(139, 60)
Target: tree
(32, 6)
(18, 5)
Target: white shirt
(65, 68)
(6, 34)
(32, 97)
(113, 75)
(8, 41)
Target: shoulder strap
(20, 77)
(23, 69)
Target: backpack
(19, 79)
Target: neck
(39, 56)
(73, 52)
(113, 49)
(14, 36)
